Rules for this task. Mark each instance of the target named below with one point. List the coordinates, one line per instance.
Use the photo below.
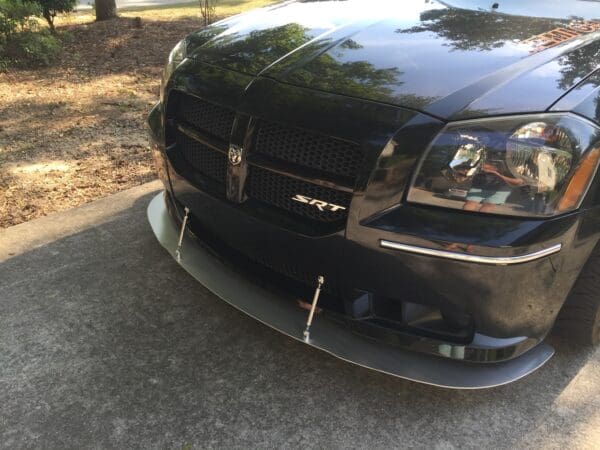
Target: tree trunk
(106, 9)
(50, 19)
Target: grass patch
(223, 9)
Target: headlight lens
(522, 166)
(176, 57)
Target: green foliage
(32, 48)
(50, 8)
(16, 16)
(21, 41)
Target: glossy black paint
(388, 80)
(584, 99)
(451, 63)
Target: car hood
(443, 60)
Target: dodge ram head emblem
(319, 204)
(235, 154)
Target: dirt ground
(75, 131)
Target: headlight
(536, 166)
(176, 57)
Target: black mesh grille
(201, 158)
(277, 147)
(278, 190)
(204, 116)
(311, 150)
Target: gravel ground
(76, 131)
(105, 342)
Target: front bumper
(280, 312)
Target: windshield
(556, 9)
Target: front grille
(202, 165)
(201, 158)
(279, 159)
(206, 117)
(278, 190)
(331, 156)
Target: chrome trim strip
(492, 260)
(282, 314)
(214, 144)
(263, 163)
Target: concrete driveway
(106, 343)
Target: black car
(410, 186)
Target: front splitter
(283, 315)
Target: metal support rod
(313, 307)
(181, 233)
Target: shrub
(16, 16)
(32, 48)
(50, 8)
(21, 42)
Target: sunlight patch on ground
(170, 12)
(39, 168)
